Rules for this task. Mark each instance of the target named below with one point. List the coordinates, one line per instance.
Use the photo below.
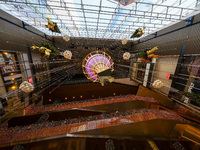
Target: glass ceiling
(107, 19)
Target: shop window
(8, 63)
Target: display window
(8, 63)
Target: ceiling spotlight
(13, 87)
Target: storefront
(138, 70)
(12, 72)
(187, 79)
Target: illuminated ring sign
(96, 62)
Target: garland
(46, 49)
(138, 32)
(147, 54)
(52, 26)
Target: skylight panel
(106, 15)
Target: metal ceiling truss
(97, 27)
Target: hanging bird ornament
(46, 50)
(138, 33)
(26, 87)
(147, 54)
(52, 26)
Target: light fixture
(67, 54)
(73, 97)
(126, 56)
(157, 84)
(114, 94)
(81, 96)
(50, 100)
(124, 41)
(66, 38)
(65, 97)
(26, 87)
(13, 87)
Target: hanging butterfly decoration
(46, 50)
(52, 26)
(138, 33)
(147, 54)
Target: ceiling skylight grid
(99, 18)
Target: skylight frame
(84, 19)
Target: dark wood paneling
(14, 37)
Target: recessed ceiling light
(13, 87)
